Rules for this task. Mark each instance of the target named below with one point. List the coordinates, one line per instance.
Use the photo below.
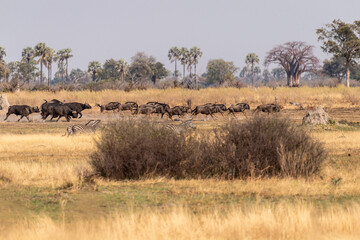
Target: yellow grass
(44, 159)
(283, 221)
(328, 97)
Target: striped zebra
(89, 127)
(182, 127)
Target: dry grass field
(44, 194)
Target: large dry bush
(261, 147)
(133, 149)
(267, 147)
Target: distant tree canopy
(342, 40)
(296, 58)
(145, 68)
(220, 71)
(336, 67)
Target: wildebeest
(110, 106)
(268, 108)
(161, 108)
(218, 107)
(205, 109)
(45, 106)
(61, 110)
(179, 111)
(23, 110)
(132, 106)
(78, 107)
(240, 107)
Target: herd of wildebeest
(58, 109)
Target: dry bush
(268, 147)
(262, 147)
(130, 149)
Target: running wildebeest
(23, 110)
(205, 109)
(268, 108)
(240, 107)
(110, 106)
(60, 111)
(161, 108)
(78, 107)
(132, 106)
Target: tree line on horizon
(294, 59)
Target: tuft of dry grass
(283, 221)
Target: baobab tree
(296, 58)
(342, 40)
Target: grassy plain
(43, 192)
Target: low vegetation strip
(284, 221)
(261, 147)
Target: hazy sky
(228, 29)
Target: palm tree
(50, 56)
(67, 55)
(196, 53)
(174, 55)
(60, 58)
(184, 52)
(252, 59)
(94, 68)
(122, 68)
(27, 55)
(40, 51)
(2, 53)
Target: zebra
(89, 127)
(182, 127)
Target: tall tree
(174, 55)
(50, 55)
(220, 71)
(27, 55)
(2, 53)
(252, 59)
(60, 58)
(40, 51)
(111, 70)
(123, 68)
(184, 54)
(342, 40)
(296, 58)
(4, 71)
(94, 68)
(196, 54)
(67, 55)
(141, 69)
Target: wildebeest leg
(58, 118)
(7, 115)
(80, 114)
(27, 117)
(20, 118)
(244, 114)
